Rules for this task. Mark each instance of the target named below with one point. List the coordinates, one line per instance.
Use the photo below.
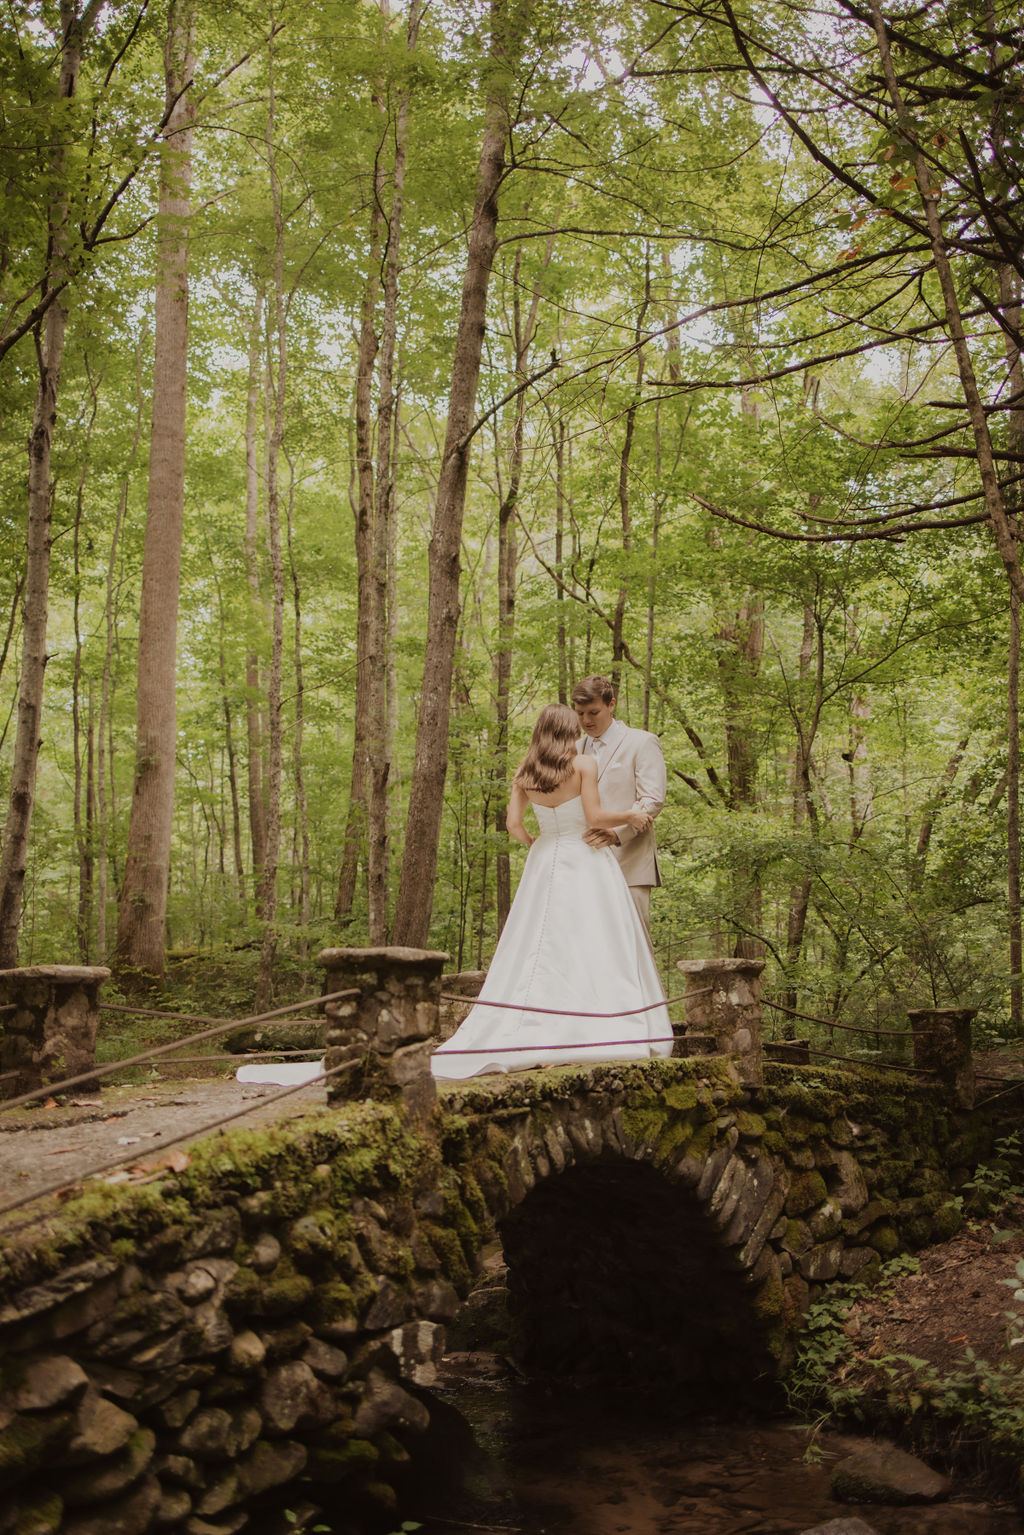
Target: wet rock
(179, 1468)
(174, 1506)
(247, 1352)
(113, 1476)
(129, 1515)
(227, 1525)
(842, 1527)
(386, 1405)
(883, 1473)
(325, 1360)
(47, 1383)
(178, 1409)
(208, 1435)
(270, 1465)
(40, 1515)
(101, 1428)
(265, 1254)
(292, 1397)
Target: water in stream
(563, 1460)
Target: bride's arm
(517, 803)
(604, 820)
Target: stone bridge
(260, 1331)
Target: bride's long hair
(552, 752)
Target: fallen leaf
(63, 1151)
(962, 1339)
(177, 1161)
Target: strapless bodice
(565, 820)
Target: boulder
(883, 1473)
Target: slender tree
(49, 330)
(509, 19)
(142, 907)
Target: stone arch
(627, 1257)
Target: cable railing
(219, 1026)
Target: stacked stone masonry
(264, 1327)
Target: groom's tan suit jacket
(631, 769)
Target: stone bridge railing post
(48, 1027)
(942, 1044)
(390, 1028)
(723, 1000)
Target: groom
(630, 769)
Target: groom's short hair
(590, 688)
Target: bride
(573, 944)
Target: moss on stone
(884, 1238)
(680, 1096)
(947, 1220)
(751, 1126)
(26, 1443)
(38, 1515)
(806, 1191)
(768, 1298)
(446, 1244)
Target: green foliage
(675, 247)
(998, 1186)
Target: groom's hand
(596, 837)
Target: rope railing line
(8, 1007)
(155, 1012)
(174, 1140)
(834, 1023)
(241, 1055)
(50, 1088)
(591, 1044)
(571, 1012)
(1019, 1082)
(857, 1060)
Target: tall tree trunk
(366, 587)
(105, 806)
(558, 441)
(1010, 300)
(522, 337)
(626, 453)
(49, 356)
(143, 902)
(253, 691)
(379, 735)
(82, 823)
(301, 810)
(803, 806)
(419, 865)
(278, 370)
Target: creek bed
(563, 1459)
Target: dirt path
(65, 1141)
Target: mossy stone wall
(261, 1329)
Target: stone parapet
(387, 1032)
(48, 1027)
(942, 1044)
(723, 1001)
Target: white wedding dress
(573, 942)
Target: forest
(372, 371)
